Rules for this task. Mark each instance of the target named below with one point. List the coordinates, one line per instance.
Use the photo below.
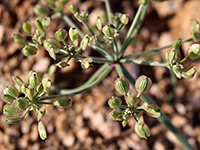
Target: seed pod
(27, 27)
(8, 98)
(23, 88)
(19, 40)
(62, 64)
(33, 79)
(131, 100)
(11, 90)
(61, 3)
(30, 92)
(196, 26)
(85, 63)
(142, 129)
(152, 109)
(41, 113)
(99, 23)
(41, 10)
(122, 85)
(124, 19)
(116, 115)
(46, 22)
(42, 131)
(18, 80)
(142, 84)
(84, 42)
(194, 51)
(72, 8)
(61, 34)
(13, 120)
(63, 101)
(177, 69)
(29, 50)
(46, 84)
(172, 56)
(144, 2)
(108, 31)
(40, 88)
(52, 44)
(177, 43)
(114, 102)
(39, 25)
(52, 69)
(188, 74)
(73, 33)
(10, 111)
(20, 104)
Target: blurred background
(87, 125)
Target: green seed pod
(13, 120)
(124, 123)
(20, 104)
(41, 10)
(131, 100)
(39, 25)
(61, 34)
(84, 42)
(124, 19)
(143, 2)
(41, 113)
(18, 80)
(52, 44)
(177, 69)
(46, 22)
(116, 115)
(11, 90)
(142, 84)
(172, 56)
(52, 69)
(85, 63)
(42, 130)
(99, 23)
(30, 92)
(122, 85)
(108, 31)
(73, 33)
(188, 74)
(10, 111)
(29, 50)
(26, 27)
(23, 88)
(40, 88)
(61, 3)
(63, 101)
(177, 43)
(152, 109)
(196, 26)
(194, 51)
(114, 102)
(33, 80)
(62, 64)
(8, 98)
(19, 40)
(46, 84)
(72, 8)
(142, 129)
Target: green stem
(153, 50)
(131, 29)
(140, 62)
(27, 109)
(81, 89)
(108, 10)
(163, 118)
(50, 103)
(116, 50)
(184, 59)
(95, 59)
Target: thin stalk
(108, 10)
(27, 109)
(95, 59)
(163, 118)
(49, 103)
(131, 29)
(140, 62)
(153, 50)
(116, 50)
(81, 89)
(184, 59)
